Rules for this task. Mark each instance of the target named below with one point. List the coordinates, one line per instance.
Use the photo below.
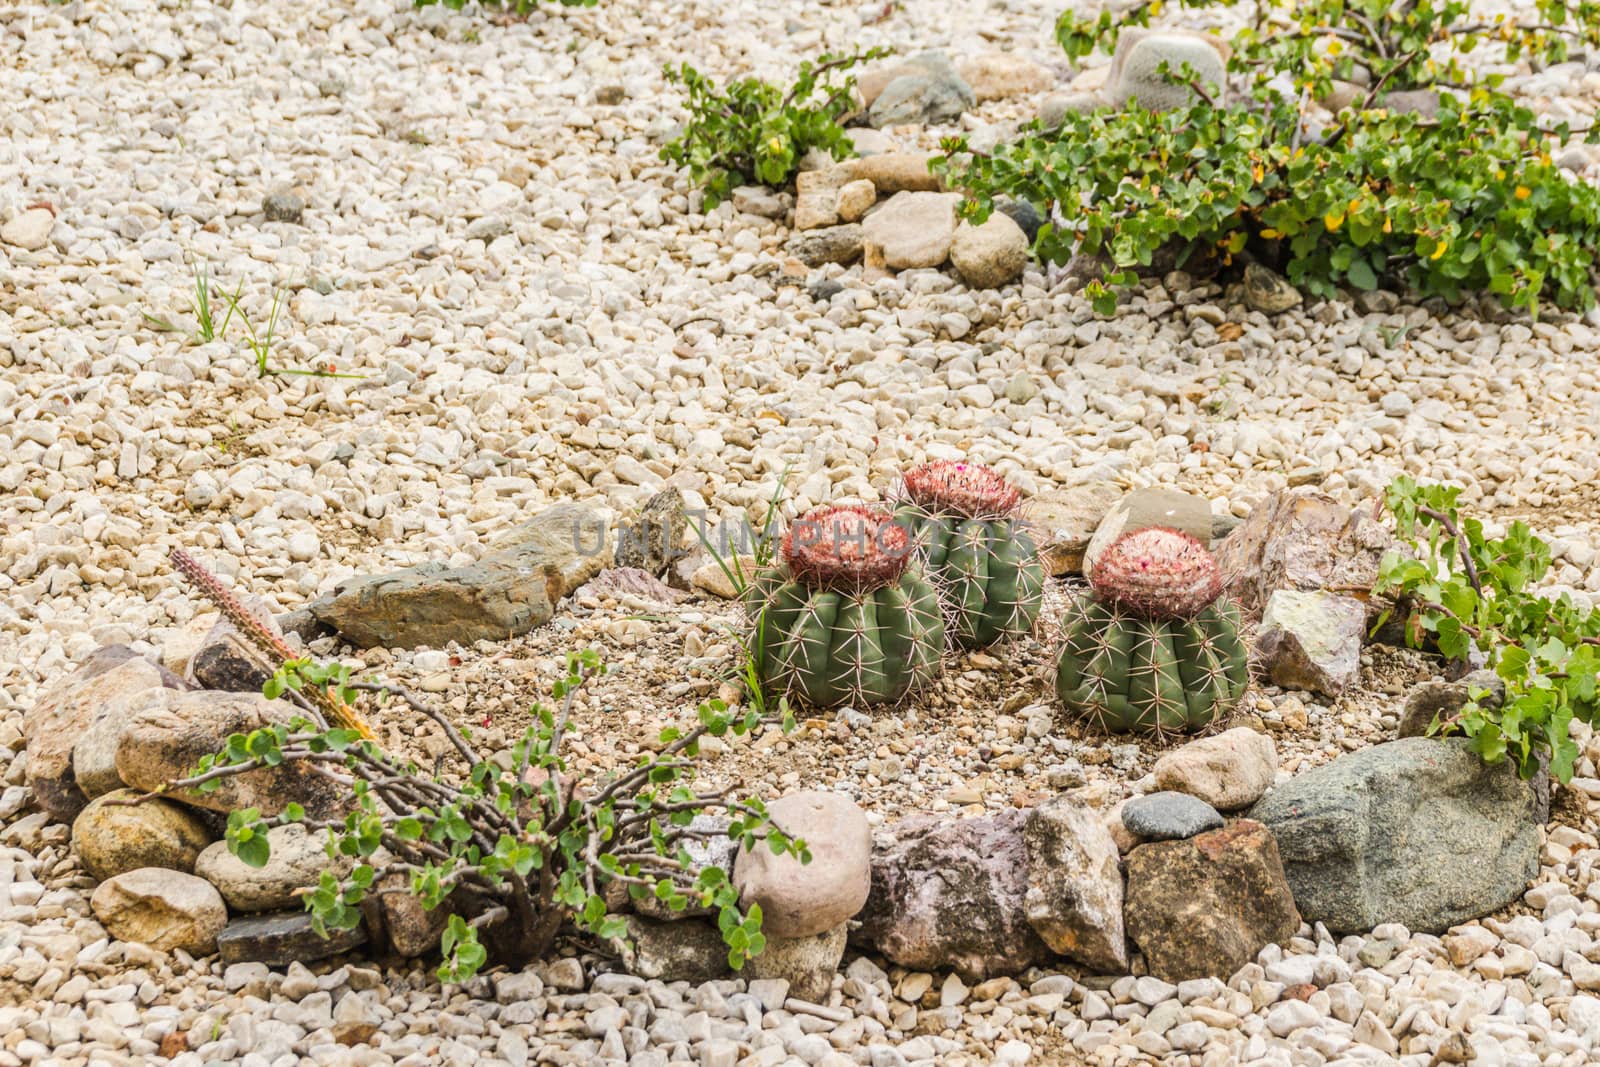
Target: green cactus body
(985, 566)
(835, 647)
(1151, 675)
(847, 617)
(1155, 648)
(988, 571)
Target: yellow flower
(1333, 220)
(775, 145)
(1388, 227)
(1269, 233)
(1335, 46)
(1437, 252)
(1523, 192)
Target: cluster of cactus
(847, 615)
(1155, 647)
(963, 521)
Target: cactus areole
(978, 555)
(1154, 648)
(848, 618)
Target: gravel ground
(537, 310)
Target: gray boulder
(1136, 65)
(296, 861)
(926, 91)
(950, 895)
(689, 950)
(1416, 831)
(111, 836)
(831, 244)
(281, 939)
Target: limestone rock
(94, 757)
(913, 229)
(816, 197)
(162, 909)
(296, 861)
(111, 837)
(1074, 895)
(1301, 539)
(1063, 522)
(895, 172)
(1138, 59)
(1001, 75)
(166, 741)
(799, 900)
(1054, 109)
(29, 230)
(504, 594)
(1312, 641)
(1204, 906)
(990, 255)
(1229, 771)
(855, 198)
(949, 895)
(808, 964)
(66, 710)
(1417, 831)
(1143, 508)
(398, 923)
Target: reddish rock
(1204, 906)
(950, 895)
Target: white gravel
(537, 313)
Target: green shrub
(1467, 200)
(753, 131)
(1474, 592)
(513, 849)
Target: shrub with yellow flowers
(753, 131)
(1356, 194)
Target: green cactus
(847, 617)
(1154, 648)
(984, 564)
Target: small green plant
(513, 849)
(1472, 592)
(206, 327)
(753, 131)
(1467, 200)
(260, 342)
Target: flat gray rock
(1169, 816)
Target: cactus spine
(986, 567)
(847, 617)
(1154, 648)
